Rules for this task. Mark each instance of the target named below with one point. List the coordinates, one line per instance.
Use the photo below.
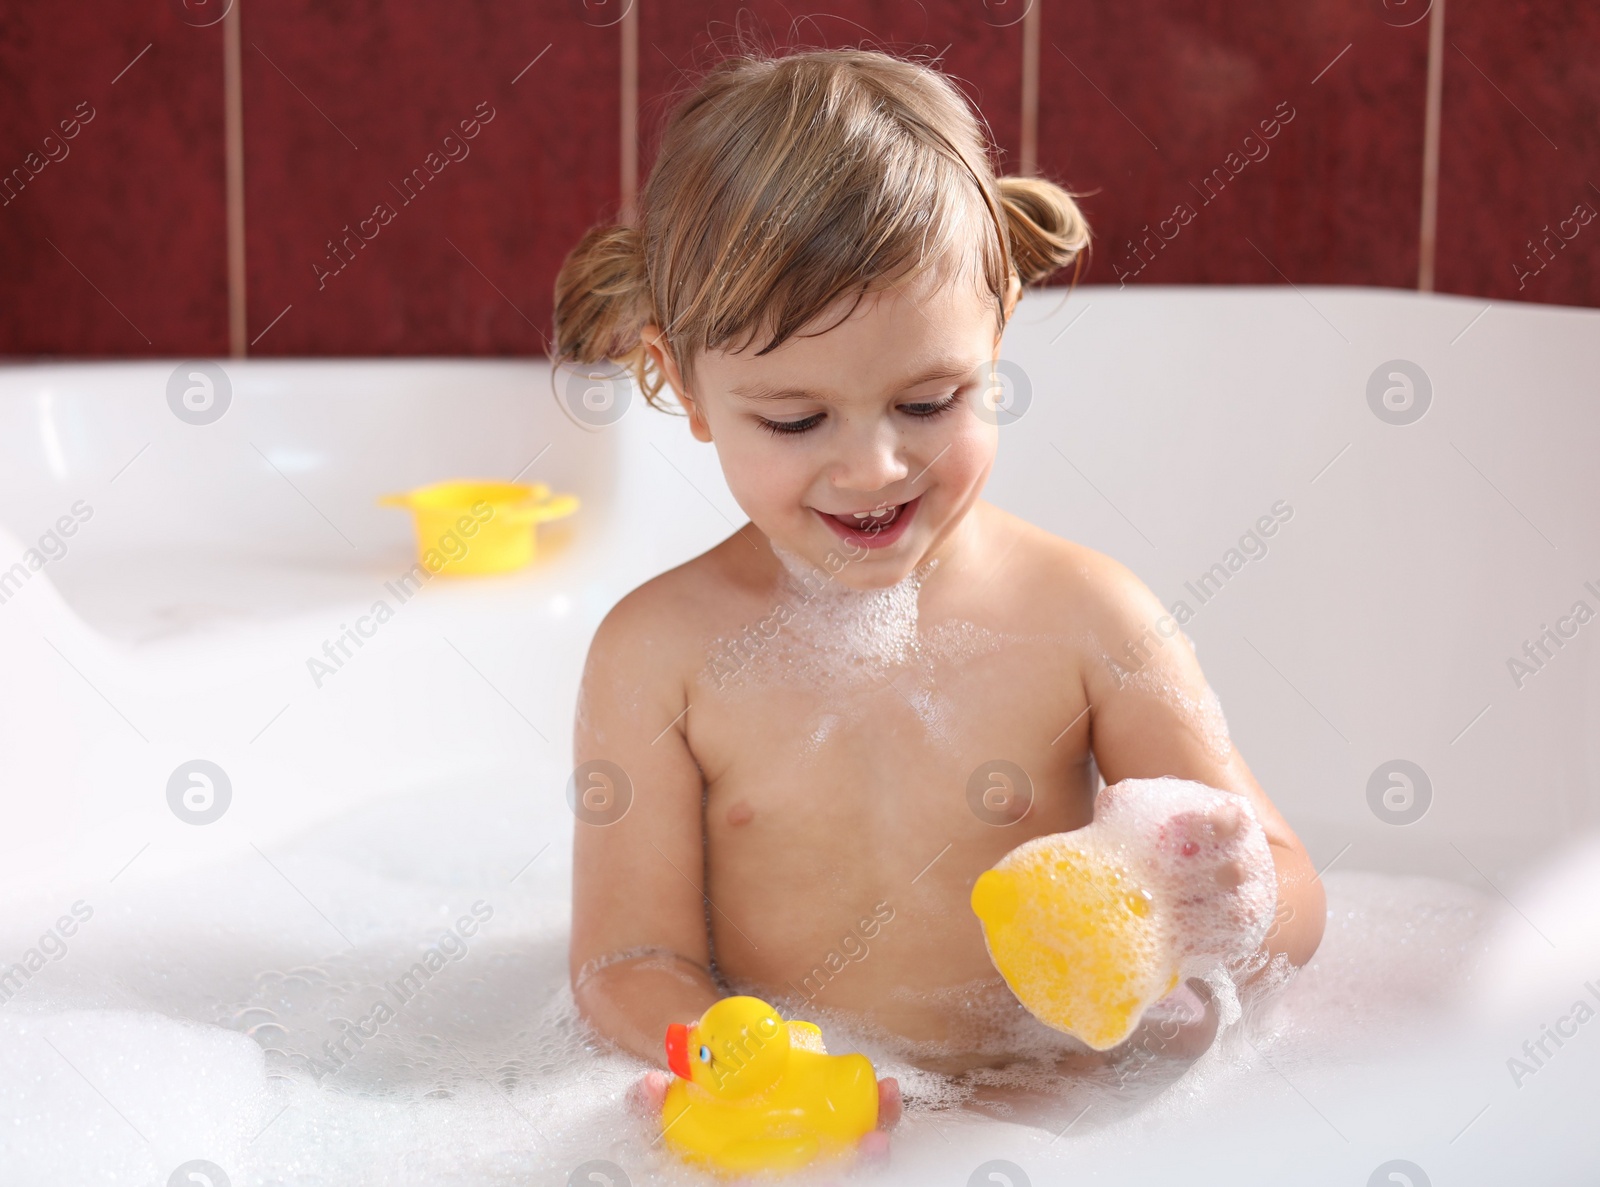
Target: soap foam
(190, 1002)
(845, 632)
(1213, 926)
(849, 642)
(1202, 715)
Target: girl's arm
(1152, 714)
(640, 949)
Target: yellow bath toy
(753, 1093)
(479, 527)
(1091, 927)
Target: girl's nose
(869, 460)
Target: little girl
(787, 730)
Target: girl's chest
(967, 734)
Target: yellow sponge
(1091, 927)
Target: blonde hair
(785, 183)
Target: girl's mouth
(874, 529)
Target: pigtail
(602, 303)
(1047, 229)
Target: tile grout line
(1429, 233)
(1030, 91)
(629, 172)
(233, 151)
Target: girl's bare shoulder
(1063, 578)
(669, 618)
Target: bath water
(233, 1015)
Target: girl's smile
(878, 528)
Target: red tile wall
(978, 44)
(1159, 105)
(119, 247)
(445, 240)
(1520, 154)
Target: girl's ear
(697, 420)
(1013, 295)
(656, 343)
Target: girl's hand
(650, 1091)
(1180, 1026)
(1206, 851)
(1202, 837)
(1173, 1033)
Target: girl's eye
(778, 427)
(705, 1054)
(927, 410)
(923, 410)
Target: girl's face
(862, 441)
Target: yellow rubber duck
(754, 1093)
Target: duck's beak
(678, 1049)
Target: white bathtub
(175, 1015)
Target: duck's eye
(705, 1054)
